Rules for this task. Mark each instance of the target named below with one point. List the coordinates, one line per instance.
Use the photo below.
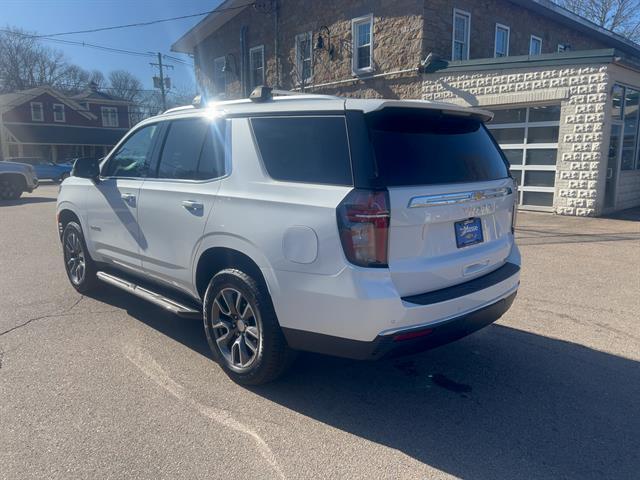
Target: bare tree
(96, 77)
(125, 85)
(24, 63)
(76, 79)
(620, 16)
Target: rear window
(414, 147)
(305, 149)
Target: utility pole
(162, 85)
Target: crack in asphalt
(42, 317)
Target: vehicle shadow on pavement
(26, 200)
(502, 403)
(187, 331)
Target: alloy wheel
(235, 328)
(7, 190)
(74, 258)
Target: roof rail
(262, 93)
(177, 109)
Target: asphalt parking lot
(111, 387)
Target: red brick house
(43, 122)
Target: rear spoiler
(367, 106)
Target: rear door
(450, 193)
(176, 202)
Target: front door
(613, 162)
(175, 205)
(112, 203)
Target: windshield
(418, 147)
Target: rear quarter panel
(265, 219)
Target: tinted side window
(181, 150)
(214, 151)
(133, 157)
(305, 149)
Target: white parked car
(358, 228)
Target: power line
(82, 44)
(178, 60)
(144, 24)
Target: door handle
(192, 205)
(129, 198)
(609, 173)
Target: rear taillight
(363, 223)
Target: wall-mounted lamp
(230, 64)
(432, 64)
(320, 44)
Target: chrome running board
(153, 297)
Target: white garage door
(529, 138)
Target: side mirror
(86, 168)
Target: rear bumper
(363, 304)
(401, 342)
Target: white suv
(358, 228)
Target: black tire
(9, 189)
(74, 247)
(271, 356)
(63, 177)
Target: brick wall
(404, 32)
(396, 34)
(582, 92)
(485, 14)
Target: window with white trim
(362, 44)
(219, 76)
(535, 45)
(109, 116)
(563, 47)
(502, 41)
(528, 137)
(37, 113)
(461, 35)
(58, 112)
(304, 57)
(256, 66)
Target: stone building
(565, 92)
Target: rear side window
(194, 149)
(417, 147)
(215, 150)
(305, 149)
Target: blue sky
(53, 16)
